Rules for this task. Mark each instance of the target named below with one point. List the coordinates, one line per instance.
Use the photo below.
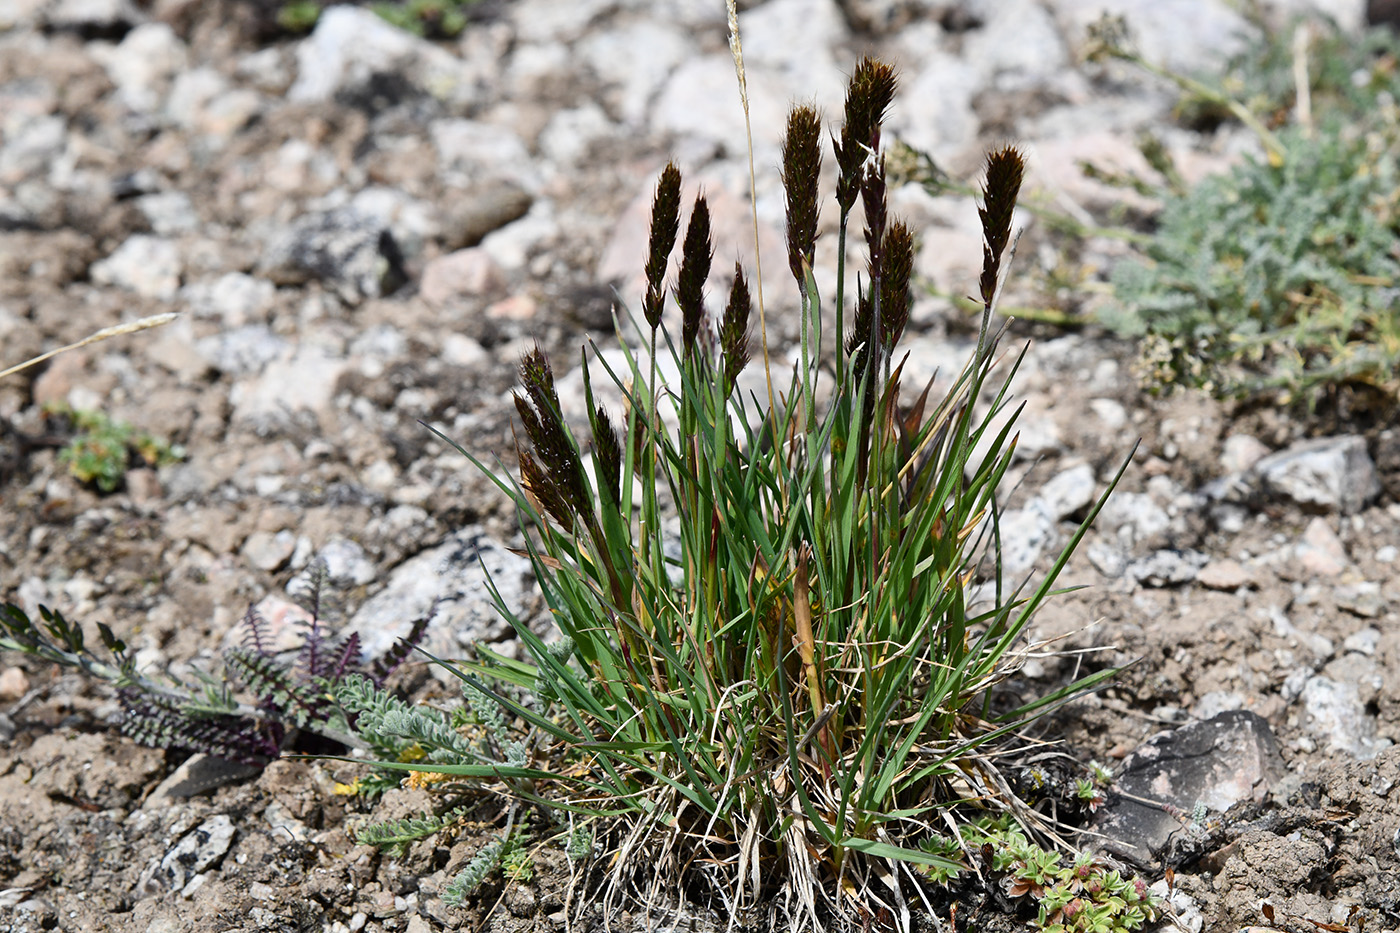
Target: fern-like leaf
(298, 701)
(159, 722)
(255, 636)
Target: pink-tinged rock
(1225, 575)
(1320, 551)
(14, 683)
(465, 273)
(514, 308)
(1208, 765)
(268, 551)
(143, 485)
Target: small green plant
(101, 449)
(279, 697)
(772, 664)
(434, 19)
(1085, 896)
(437, 19)
(1280, 278)
(299, 16)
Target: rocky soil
(363, 230)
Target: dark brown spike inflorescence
(609, 450)
(802, 165)
(1006, 169)
(868, 98)
(873, 194)
(861, 326)
(556, 477)
(734, 329)
(665, 225)
(894, 283)
(696, 255)
(547, 495)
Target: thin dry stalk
(106, 333)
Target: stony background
(364, 230)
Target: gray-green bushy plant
(1282, 277)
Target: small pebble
(1364, 642)
(1224, 574)
(14, 683)
(1320, 551)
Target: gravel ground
(363, 230)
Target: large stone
(1325, 474)
(196, 852)
(355, 255)
(1174, 778)
(1186, 36)
(448, 582)
(351, 48)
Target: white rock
(268, 551)
(1241, 451)
(202, 101)
(1364, 642)
(351, 44)
(633, 60)
(302, 381)
(90, 14)
(543, 21)
(1186, 913)
(943, 123)
(147, 265)
(412, 221)
(242, 351)
(1187, 36)
(452, 578)
(234, 298)
(1334, 474)
(1068, 492)
(793, 37)
(465, 273)
(31, 145)
(1025, 534)
(345, 562)
(513, 245)
(143, 63)
(567, 137)
(193, 854)
(169, 212)
(1338, 718)
(1350, 15)
(1167, 567)
(1017, 45)
(476, 152)
(1133, 515)
(1110, 412)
